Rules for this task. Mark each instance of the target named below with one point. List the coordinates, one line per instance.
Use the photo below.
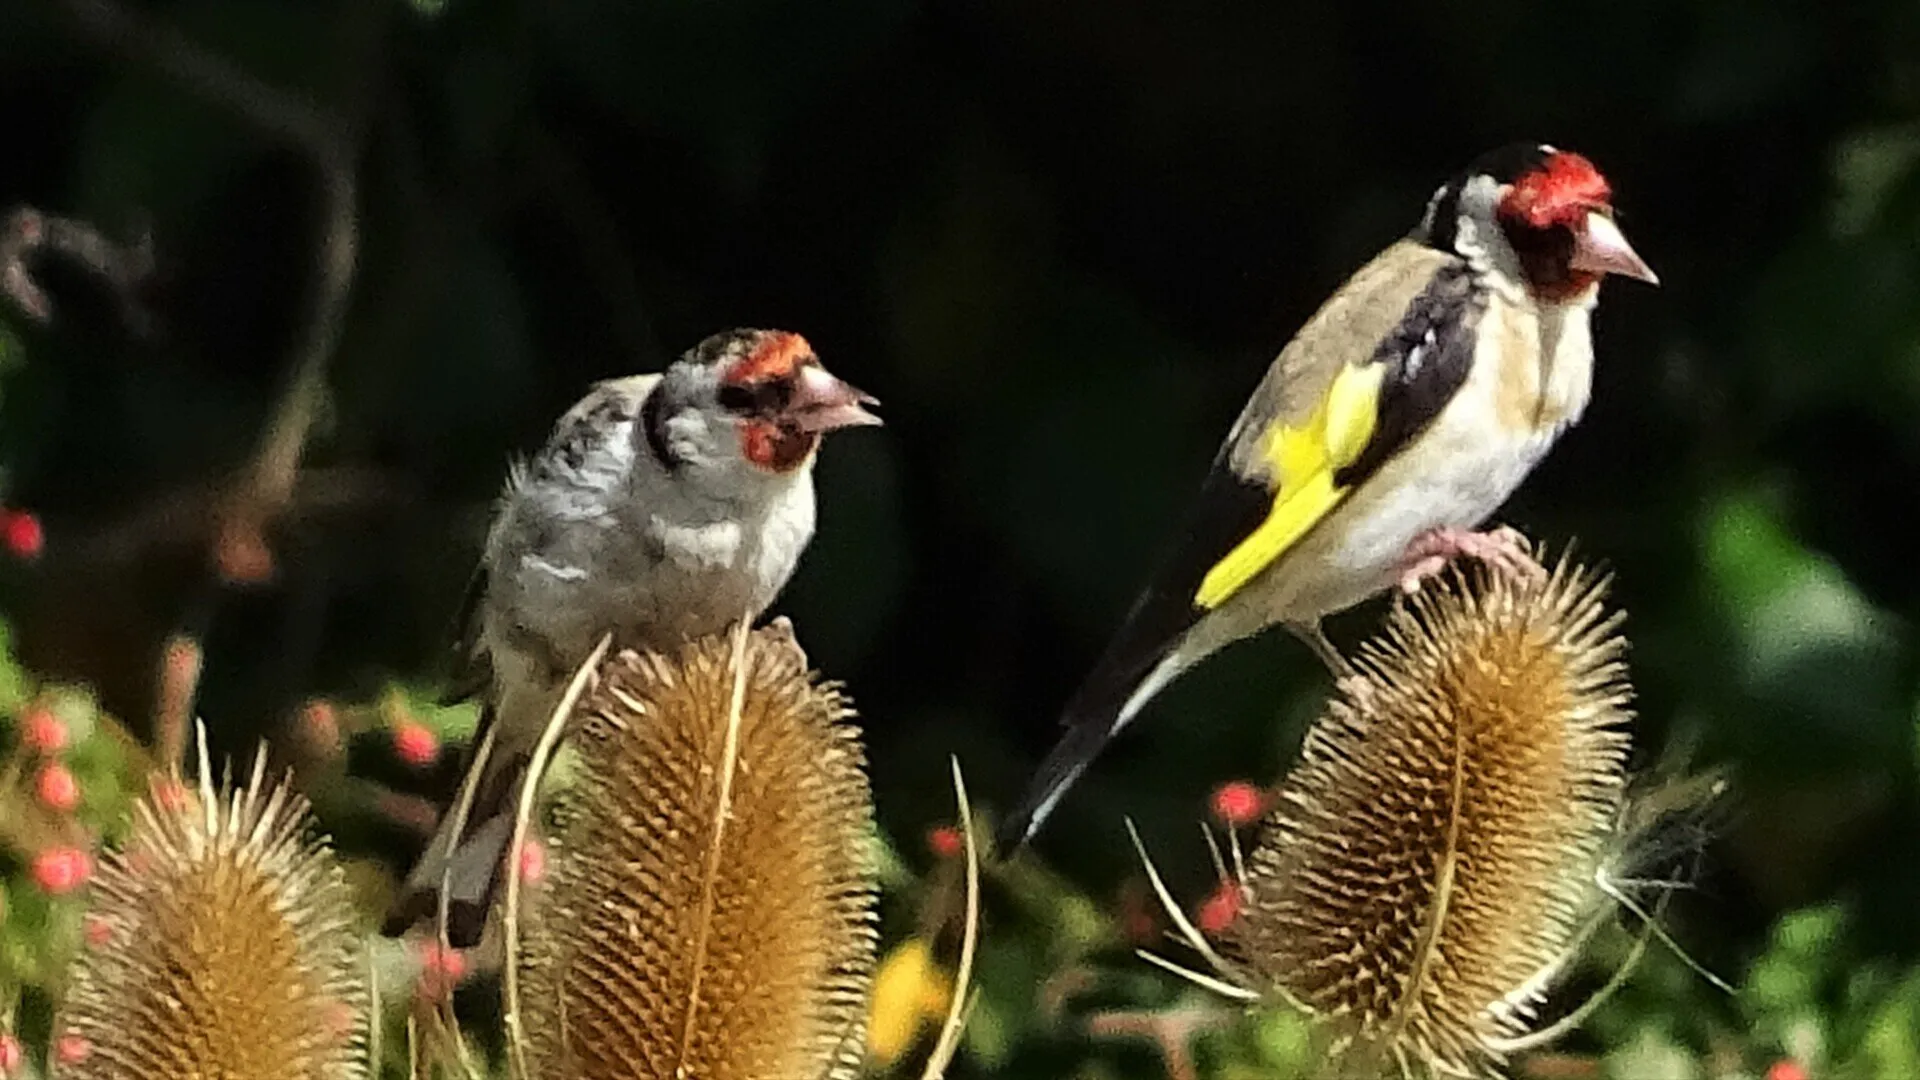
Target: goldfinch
(1399, 418)
(663, 507)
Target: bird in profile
(1399, 419)
(663, 508)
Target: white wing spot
(564, 573)
(1417, 356)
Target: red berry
(1137, 913)
(171, 795)
(242, 555)
(12, 1055)
(1238, 803)
(56, 788)
(60, 870)
(41, 731)
(946, 842)
(416, 743)
(20, 531)
(1787, 1069)
(321, 725)
(341, 1019)
(1139, 927)
(450, 962)
(440, 970)
(71, 1049)
(98, 930)
(1220, 909)
(533, 861)
(180, 664)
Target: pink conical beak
(1601, 248)
(821, 402)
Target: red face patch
(1561, 191)
(774, 357)
(774, 447)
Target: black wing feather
(471, 672)
(1427, 356)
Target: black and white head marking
(1460, 215)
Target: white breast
(695, 577)
(1530, 380)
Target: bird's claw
(1505, 549)
(1357, 690)
(781, 629)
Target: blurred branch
(138, 37)
(181, 662)
(265, 487)
(1171, 1031)
(29, 232)
(411, 812)
(179, 515)
(239, 551)
(1561, 1067)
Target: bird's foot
(781, 628)
(1504, 549)
(1357, 689)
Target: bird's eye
(759, 398)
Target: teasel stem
(522, 826)
(960, 1006)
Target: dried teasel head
(221, 946)
(708, 908)
(1435, 858)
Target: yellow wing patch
(1303, 459)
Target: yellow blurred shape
(910, 992)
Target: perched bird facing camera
(1399, 418)
(662, 508)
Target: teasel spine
(1439, 854)
(709, 899)
(223, 940)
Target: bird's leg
(1346, 678)
(1505, 549)
(1311, 635)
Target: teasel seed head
(1432, 862)
(222, 946)
(708, 904)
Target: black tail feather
(1087, 734)
(476, 861)
(1104, 704)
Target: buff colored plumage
(1399, 418)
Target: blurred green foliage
(1060, 241)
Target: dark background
(1060, 241)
